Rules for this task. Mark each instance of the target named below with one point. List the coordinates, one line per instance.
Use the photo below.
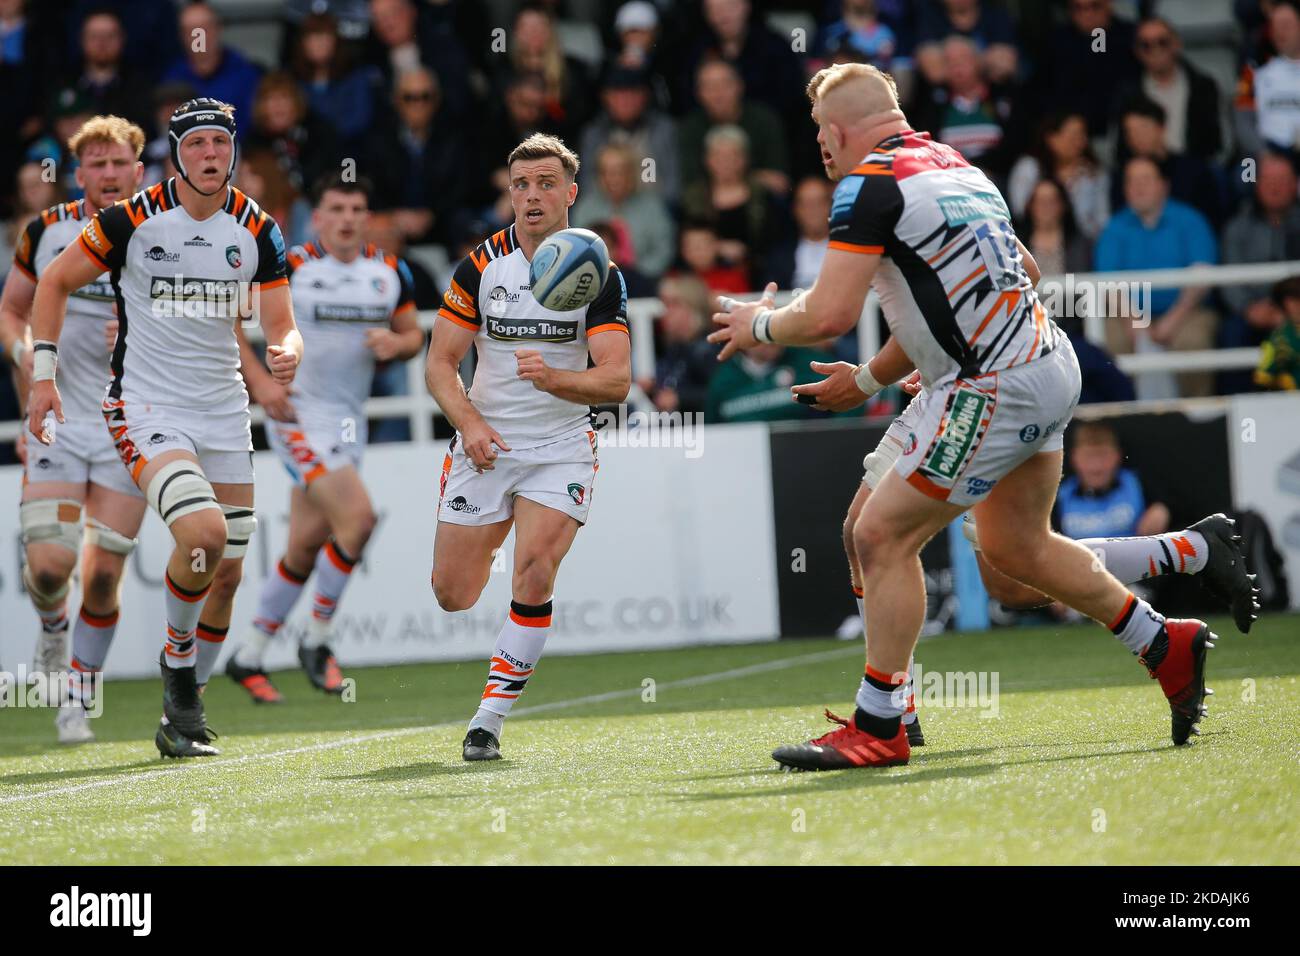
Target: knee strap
(52, 520)
(241, 522)
(179, 489)
(877, 464)
(106, 539)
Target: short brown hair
(540, 146)
(107, 129)
(1094, 433)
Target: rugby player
(79, 477)
(957, 289)
(524, 454)
(355, 306)
(187, 259)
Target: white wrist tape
(762, 326)
(866, 381)
(45, 361)
(17, 352)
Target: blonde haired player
(524, 454)
(187, 259)
(78, 480)
(957, 288)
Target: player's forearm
(809, 319)
(890, 364)
(13, 330)
(48, 309)
(412, 342)
(601, 385)
(442, 376)
(256, 375)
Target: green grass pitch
(1076, 768)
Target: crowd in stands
(699, 165)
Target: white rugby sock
(1137, 624)
(183, 609)
(1136, 559)
(210, 642)
(91, 637)
(909, 715)
(518, 648)
(333, 571)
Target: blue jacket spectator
(212, 68)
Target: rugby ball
(569, 269)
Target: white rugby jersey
(490, 293)
(181, 285)
(952, 283)
(83, 356)
(334, 303)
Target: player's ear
(573, 192)
(139, 174)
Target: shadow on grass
(427, 769)
(68, 775)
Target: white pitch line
(226, 763)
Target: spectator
(68, 111)
(152, 41)
(22, 71)
(771, 72)
(336, 92)
(988, 28)
(1279, 358)
(627, 117)
(260, 174)
(1157, 232)
(618, 242)
(754, 386)
(1063, 153)
(684, 361)
(212, 68)
(35, 193)
(1100, 378)
(104, 80)
(1189, 97)
(1268, 115)
(1265, 230)
(157, 155)
(381, 229)
(400, 42)
(721, 95)
(1103, 499)
(534, 48)
(1086, 63)
(303, 143)
(416, 163)
(637, 32)
(523, 112)
(969, 113)
(1191, 180)
(1051, 234)
(736, 202)
(618, 199)
(861, 34)
(812, 212)
(701, 256)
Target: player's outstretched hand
(44, 399)
(837, 392)
(282, 362)
(481, 443)
(533, 369)
(736, 322)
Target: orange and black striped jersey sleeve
(105, 237)
(25, 251)
(609, 312)
(865, 210)
(460, 301)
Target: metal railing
(419, 408)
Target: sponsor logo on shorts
(159, 254)
(43, 463)
(577, 492)
(233, 257)
(157, 438)
(460, 504)
(952, 448)
(979, 486)
(1029, 433)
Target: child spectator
(1279, 357)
